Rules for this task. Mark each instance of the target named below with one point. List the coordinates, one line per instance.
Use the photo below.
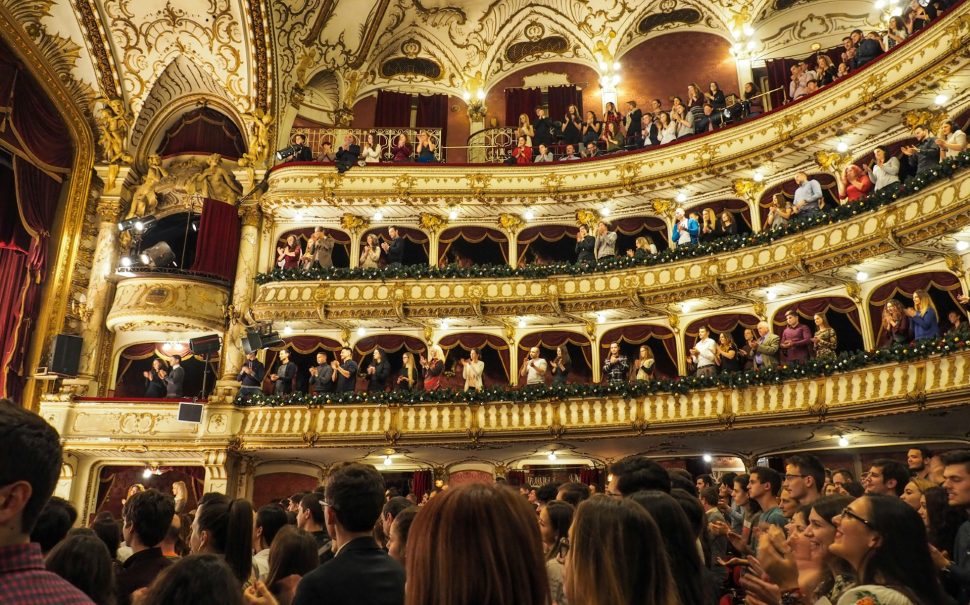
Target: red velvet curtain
(472, 235)
(114, 482)
(560, 98)
(547, 233)
(217, 247)
(393, 109)
(635, 225)
(515, 478)
(389, 343)
(638, 335)
(422, 482)
(779, 75)
(941, 280)
(808, 309)
(722, 323)
(590, 476)
(203, 130)
(520, 101)
(13, 271)
(553, 339)
(433, 113)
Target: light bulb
(287, 331)
(963, 246)
(552, 456)
(600, 318)
(605, 211)
(146, 473)
(388, 461)
(452, 215)
(879, 5)
(842, 147)
(681, 197)
(378, 216)
(771, 295)
(125, 261)
(481, 94)
(861, 276)
(843, 441)
(616, 66)
(529, 215)
(522, 322)
(708, 458)
(752, 44)
(941, 99)
(758, 176)
(748, 30)
(298, 216)
(361, 331)
(445, 324)
(144, 258)
(603, 65)
(467, 96)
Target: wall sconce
(474, 96)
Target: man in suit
(251, 376)
(285, 373)
(322, 375)
(175, 378)
(543, 129)
(605, 242)
(360, 572)
(323, 250)
(395, 248)
(633, 124)
(585, 246)
(925, 156)
(866, 49)
(765, 347)
(345, 371)
(348, 154)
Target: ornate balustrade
(490, 146)
(316, 137)
(934, 382)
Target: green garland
(845, 362)
(730, 243)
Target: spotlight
(941, 99)
(140, 224)
(842, 147)
(529, 215)
(758, 176)
(126, 262)
(861, 276)
(452, 215)
(159, 255)
(843, 441)
(681, 197)
(146, 473)
(552, 456)
(378, 216)
(963, 246)
(708, 458)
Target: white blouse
(372, 155)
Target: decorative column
(512, 224)
(834, 163)
(681, 353)
(432, 224)
(354, 225)
(750, 191)
(242, 298)
(596, 357)
(216, 471)
(665, 209)
(513, 340)
(854, 291)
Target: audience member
(284, 378)
(570, 154)
(555, 519)
(83, 560)
(108, 530)
(522, 153)
(347, 154)
(533, 368)
(886, 477)
(957, 484)
(867, 49)
(856, 183)
(397, 536)
(345, 371)
(201, 579)
(780, 211)
(825, 340)
(633, 124)
(804, 477)
(401, 149)
(543, 154)
(952, 141)
(585, 246)
(225, 527)
(543, 129)
(616, 367)
(292, 556)
(147, 517)
(922, 317)
(643, 365)
(704, 354)
(635, 473)
(796, 340)
(926, 155)
(917, 461)
(808, 196)
(573, 493)
(55, 520)
(425, 149)
(764, 348)
(321, 376)
(310, 518)
(371, 153)
(572, 124)
(270, 519)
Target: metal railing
(491, 146)
(316, 137)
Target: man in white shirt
(534, 368)
(472, 370)
(605, 242)
(704, 353)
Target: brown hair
(616, 555)
(476, 544)
(294, 551)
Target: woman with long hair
(371, 152)
(715, 97)
(667, 128)
(202, 579)
(154, 385)
(612, 138)
(370, 253)
(914, 490)
(826, 71)
(401, 149)
(728, 226)
(476, 544)
(410, 376)
(825, 340)
(554, 521)
(292, 555)
(525, 129)
(377, 372)
(561, 365)
(434, 367)
(225, 527)
(616, 556)
(895, 325)
(728, 353)
(941, 520)
(856, 183)
(752, 100)
(884, 541)
(686, 566)
(571, 126)
(643, 366)
(922, 316)
(592, 130)
(83, 560)
(288, 255)
(710, 226)
(181, 494)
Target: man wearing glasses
(804, 477)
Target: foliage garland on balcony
(730, 243)
(845, 362)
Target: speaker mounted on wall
(66, 355)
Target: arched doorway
(472, 245)
(841, 313)
(660, 339)
(579, 347)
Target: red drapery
(433, 113)
(393, 109)
(738, 208)
(635, 225)
(830, 193)
(808, 309)
(217, 247)
(477, 340)
(941, 280)
(552, 339)
(421, 483)
(638, 335)
(560, 98)
(779, 75)
(161, 350)
(520, 101)
(389, 343)
(13, 269)
(472, 235)
(515, 478)
(721, 323)
(590, 476)
(547, 233)
(203, 130)
(114, 482)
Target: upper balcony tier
(876, 105)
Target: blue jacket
(925, 326)
(693, 229)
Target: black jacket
(361, 573)
(543, 136)
(303, 154)
(866, 51)
(395, 251)
(286, 373)
(378, 380)
(257, 378)
(585, 250)
(927, 157)
(173, 382)
(349, 155)
(634, 126)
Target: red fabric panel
(393, 109)
(217, 247)
(309, 344)
(560, 98)
(589, 476)
(639, 334)
(549, 233)
(421, 483)
(37, 195)
(140, 351)
(12, 233)
(634, 225)
(472, 235)
(515, 478)
(433, 113)
(779, 75)
(808, 309)
(476, 340)
(273, 486)
(722, 323)
(203, 130)
(389, 343)
(520, 101)
(13, 276)
(907, 285)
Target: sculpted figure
(145, 198)
(216, 182)
(259, 141)
(114, 123)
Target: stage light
(139, 224)
(146, 473)
(159, 255)
(941, 99)
(126, 262)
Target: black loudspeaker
(252, 342)
(204, 345)
(66, 355)
(190, 412)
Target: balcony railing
(316, 137)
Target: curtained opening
(546, 244)
(416, 244)
(422, 482)
(393, 346)
(114, 482)
(303, 353)
(842, 314)
(830, 193)
(136, 359)
(733, 323)
(942, 286)
(629, 229)
(739, 209)
(658, 338)
(217, 244)
(393, 109)
(341, 247)
(560, 98)
(433, 113)
(203, 130)
(520, 101)
(578, 345)
(470, 245)
(493, 350)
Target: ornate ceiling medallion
(520, 51)
(411, 48)
(655, 21)
(534, 31)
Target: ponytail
(230, 524)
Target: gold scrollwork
(831, 161)
(587, 217)
(748, 189)
(353, 223)
(431, 223)
(510, 222)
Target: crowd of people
(650, 535)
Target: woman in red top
(857, 183)
(288, 256)
(522, 153)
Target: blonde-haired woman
(434, 367)
(525, 129)
(410, 377)
(181, 494)
(644, 364)
(710, 228)
(922, 316)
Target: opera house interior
(255, 254)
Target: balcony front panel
(161, 304)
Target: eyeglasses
(791, 476)
(847, 512)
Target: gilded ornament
(587, 218)
(431, 223)
(871, 86)
(640, 426)
(114, 121)
(478, 183)
(510, 222)
(145, 199)
(215, 182)
(259, 122)
(854, 291)
(931, 118)
(552, 183)
(831, 161)
(249, 213)
(403, 184)
(706, 155)
(664, 208)
(354, 224)
(108, 209)
(748, 190)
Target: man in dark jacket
(285, 374)
(321, 375)
(633, 122)
(175, 378)
(360, 571)
(146, 518)
(925, 156)
(543, 129)
(395, 248)
(866, 49)
(585, 246)
(251, 375)
(348, 154)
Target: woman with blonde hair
(914, 490)
(644, 364)
(434, 366)
(410, 378)
(616, 556)
(181, 493)
(922, 315)
(644, 248)
(525, 129)
(477, 544)
(710, 228)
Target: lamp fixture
(601, 318)
(388, 461)
(771, 295)
(861, 276)
(841, 146)
(681, 197)
(529, 215)
(453, 214)
(362, 331)
(941, 99)
(843, 441)
(963, 246)
(552, 456)
(522, 322)
(378, 216)
(474, 96)
(708, 458)
(287, 330)
(758, 176)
